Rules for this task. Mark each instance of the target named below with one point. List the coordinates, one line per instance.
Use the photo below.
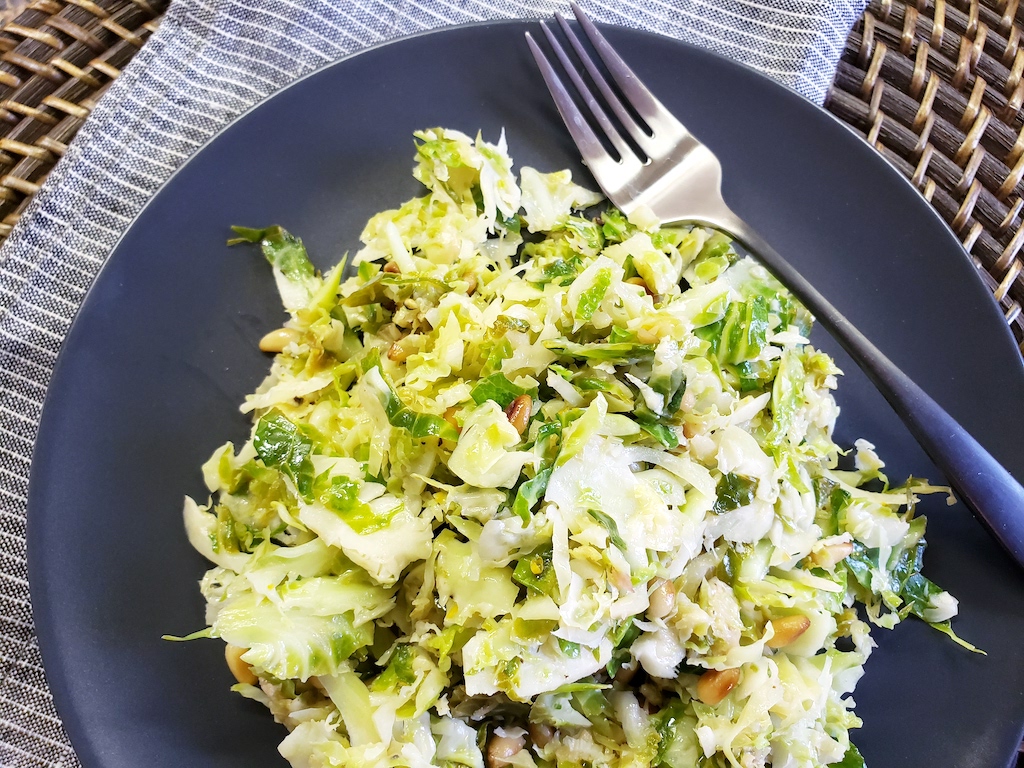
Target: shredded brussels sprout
(542, 486)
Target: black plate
(164, 349)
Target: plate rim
(41, 599)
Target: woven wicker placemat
(11, 8)
(56, 60)
(937, 87)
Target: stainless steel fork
(680, 181)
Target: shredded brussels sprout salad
(540, 488)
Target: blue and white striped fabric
(209, 61)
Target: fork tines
(641, 124)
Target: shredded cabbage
(559, 483)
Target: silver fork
(681, 182)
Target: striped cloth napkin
(209, 61)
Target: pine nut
(501, 750)
(470, 284)
(645, 336)
(541, 734)
(714, 685)
(392, 268)
(833, 554)
(788, 629)
(621, 582)
(662, 600)
(397, 353)
(518, 412)
(276, 341)
(243, 672)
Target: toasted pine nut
(640, 281)
(471, 284)
(501, 750)
(518, 412)
(397, 353)
(392, 267)
(689, 430)
(663, 600)
(829, 556)
(541, 734)
(621, 581)
(714, 685)
(243, 672)
(841, 551)
(276, 341)
(787, 629)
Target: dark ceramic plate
(164, 349)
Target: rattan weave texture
(57, 59)
(937, 87)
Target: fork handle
(991, 493)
